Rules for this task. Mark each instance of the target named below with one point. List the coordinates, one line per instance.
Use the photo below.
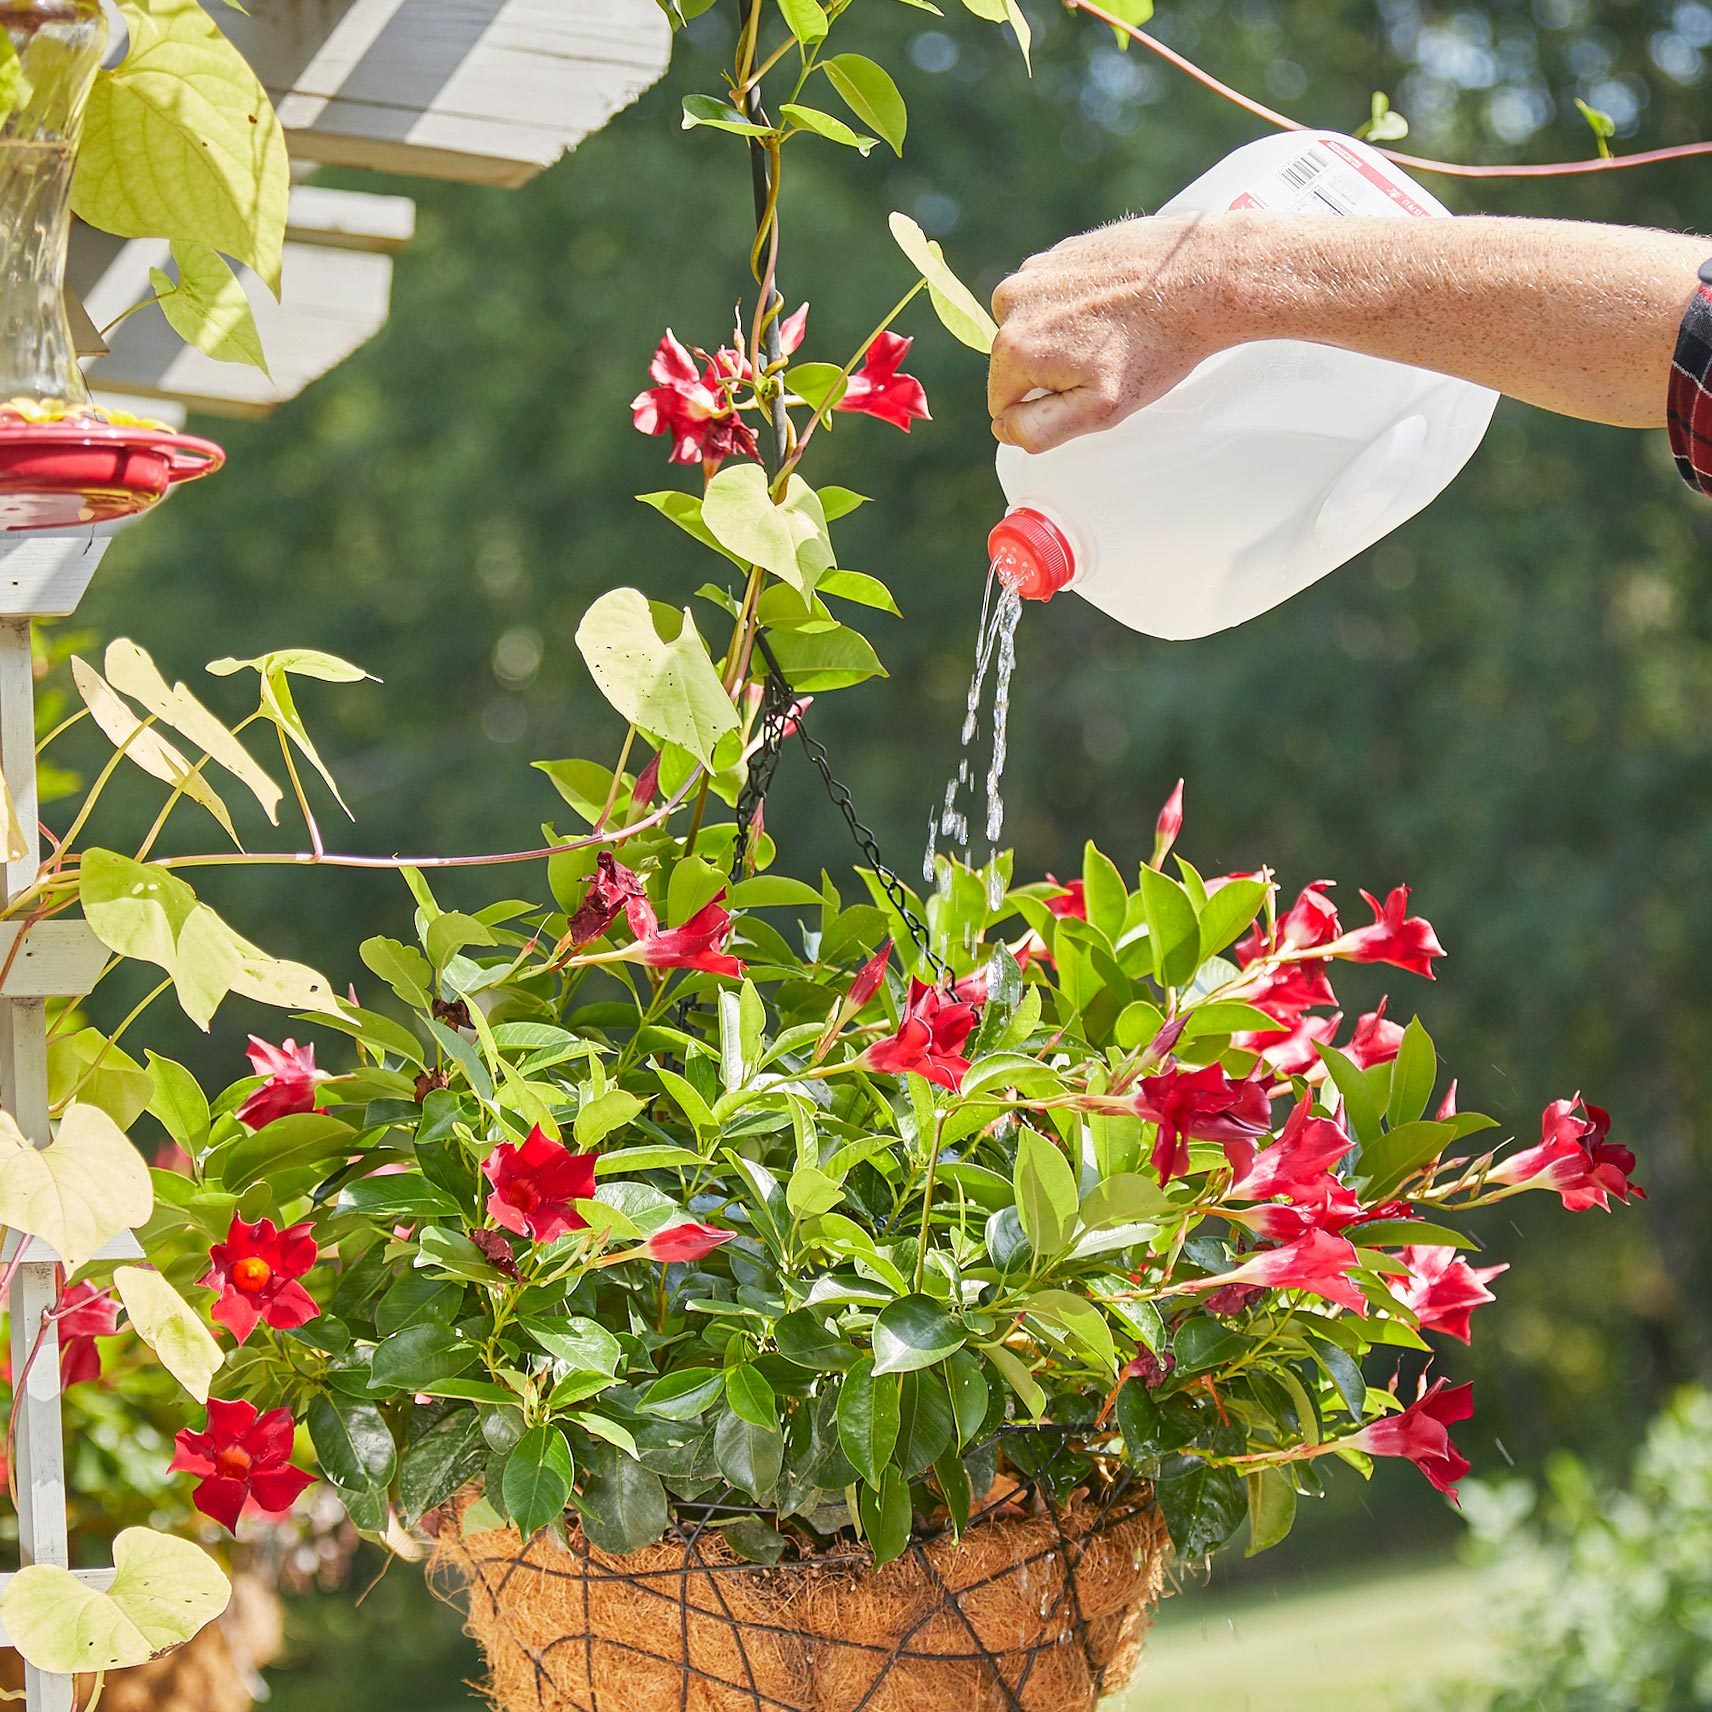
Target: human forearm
(1575, 317)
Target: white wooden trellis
(39, 578)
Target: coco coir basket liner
(1041, 1612)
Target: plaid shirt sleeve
(1690, 405)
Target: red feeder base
(63, 475)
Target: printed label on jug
(1329, 177)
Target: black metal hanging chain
(779, 716)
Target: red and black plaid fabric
(1690, 407)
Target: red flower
(1152, 1370)
(256, 1271)
(1290, 990)
(1298, 1163)
(535, 1185)
(1574, 1158)
(1319, 1263)
(241, 1458)
(686, 1240)
(1310, 922)
(696, 945)
(868, 979)
(1376, 1040)
(694, 407)
(1201, 1105)
(1442, 1289)
(791, 331)
(1071, 899)
(877, 389)
(930, 1038)
(1231, 1299)
(1422, 1434)
(1291, 1051)
(290, 1085)
(647, 783)
(611, 889)
(83, 1315)
(1394, 936)
(1168, 825)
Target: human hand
(1105, 323)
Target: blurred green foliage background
(1505, 704)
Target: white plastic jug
(1266, 467)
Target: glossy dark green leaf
(416, 1299)
(750, 1457)
(750, 1396)
(419, 1355)
(803, 1340)
(1202, 1505)
(352, 1442)
(886, 1516)
(868, 1419)
(537, 1479)
(926, 1429)
(435, 1464)
(914, 1332)
(623, 1506)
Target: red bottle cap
(1030, 554)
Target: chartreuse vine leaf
(806, 21)
(164, 1590)
(912, 1332)
(132, 672)
(90, 1066)
(170, 1327)
(868, 91)
(206, 306)
(720, 116)
(649, 661)
(78, 1193)
(182, 142)
(953, 302)
(1009, 12)
(824, 125)
(788, 538)
(276, 671)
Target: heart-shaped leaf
(78, 1193)
(164, 1590)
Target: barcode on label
(1299, 172)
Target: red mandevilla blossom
(868, 979)
(1071, 898)
(1202, 1105)
(1394, 937)
(1377, 1040)
(612, 887)
(1152, 1370)
(685, 1241)
(1289, 991)
(84, 1314)
(1292, 1051)
(878, 389)
(535, 1186)
(1319, 1263)
(1298, 1163)
(241, 1458)
(698, 944)
(256, 1271)
(1422, 1434)
(1442, 1289)
(290, 1085)
(1310, 922)
(1168, 824)
(930, 1038)
(693, 407)
(1574, 1158)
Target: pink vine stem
(1454, 169)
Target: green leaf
(583, 1342)
(1174, 935)
(1149, 1430)
(434, 1465)
(1413, 1073)
(1079, 1320)
(749, 1456)
(1015, 1373)
(868, 1419)
(1129, 12)
(1045, 1194)
(298, 1139)
(178, 1103)
(206, 306)
(601, 1116)
(163, 1591)
(1382, 125)
(1202, 1506)
(926, 1429)
(1360, 1104)
(804, 1342)
(12, 80)
(537, 1481)
(953, 302)
(789, 539)
(835, 131)
(1383, 1233)
(181, 142)
(1389, 1158)
(100, 1074)
(1103, 887)
(80, 1192)
(819, 660)
(886, 1516)
(684, 1395)
(418, 1356)
(651, 664)
(624, 1506)
(352, 1442)
(1602, 125)
(417, 1300)
(858, 586)
(684, 509)
(1229, 912)
(170, 1327)
(1271, 1509)
(751, 1397)
(967, 1387)
(810, 1192)
(719, 115)
(869, 92)
(805, 21)
(956, 1490)
(837, 502)
(912, 1332)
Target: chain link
(780, 714)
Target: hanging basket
(1025, 1613)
